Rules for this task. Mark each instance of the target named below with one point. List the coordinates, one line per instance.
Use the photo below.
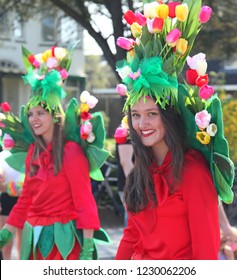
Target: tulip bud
(121, 89)
(181, 12)
(172, 7)
(162, 11)
(181, 46)
(191, 76)
(141, 19)
(120, 135)
(136, 30)
(205, 14)
(173, 37)
(202, 80)
(130, 17)
(125, 43)
(157, 25)
(203, 137)
(5, 107)
(206, 92)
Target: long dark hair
(139, 188)
(57, 144)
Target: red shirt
(47, 198)
(184, 225)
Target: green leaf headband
(146, 77)
(45, 89)
(45, 74)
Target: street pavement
(113, 225)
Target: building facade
(37, 35)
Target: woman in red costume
(180, 159)
(56, 209)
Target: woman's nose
(143, 123)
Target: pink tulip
(8, 142)
(85, 130)
(141, 19)
(173, 36)
(202, 119)
(205, 14)
(36, 64)
(121, 89)
(120, 135)
(2, 125)
(125, 43)
(64, 74)
(206, 92)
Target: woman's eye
(135, 115)
(153, 114)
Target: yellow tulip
(181, 12)
(130, 56)
(84, 108)
(162, 11)
(181, 46)
(46, 55)
(125, 122)
(203, 137)
(136, 29)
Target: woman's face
(41, 122)
(147, 122)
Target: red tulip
(158, 24)
(202, 80)
(31, 58)
(172, 6)
(191, 76)
(5, 107)
(120, 135)
(130, 17)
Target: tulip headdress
(45, 74)
(163, 37)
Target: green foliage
(98, 73)
(230, 122)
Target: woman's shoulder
(195, 160)
(71, 146)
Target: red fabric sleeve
(201, 200)
(18, 214)
(130, 237)
(77, 171)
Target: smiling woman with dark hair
(181, 160)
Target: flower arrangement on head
(46, 73)
(162, 39)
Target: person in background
(228, 248)
(10, 191)
(172, 192)
(124, 155)
(56, 208)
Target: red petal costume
(172, 230)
